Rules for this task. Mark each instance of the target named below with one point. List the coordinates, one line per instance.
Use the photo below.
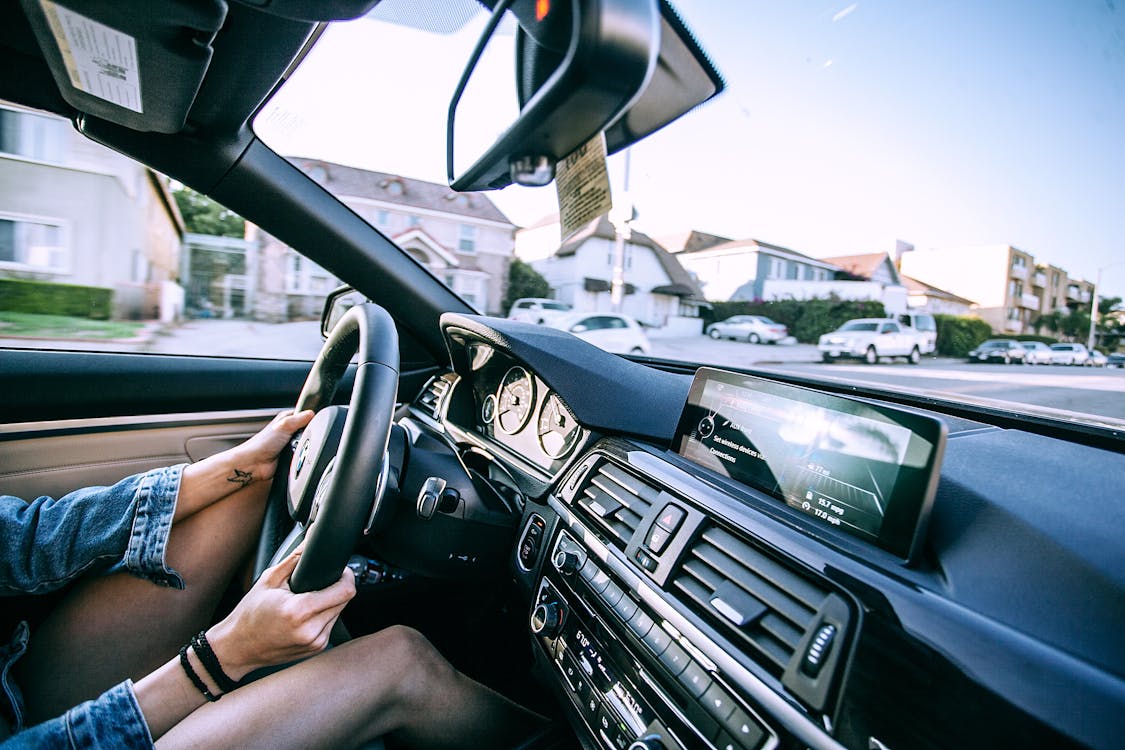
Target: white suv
(537, 309)
(869, 339)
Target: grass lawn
(32, 325)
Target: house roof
(691, 241)
(914, 286)
(411, 193)
(768, 248)
(864, 265)
(686, 286)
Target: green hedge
(806, 319)
(46, 298)
(958, 334)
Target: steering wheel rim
(346, 495)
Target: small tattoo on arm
(241, 478)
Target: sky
(844, 125)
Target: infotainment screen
(865, 469)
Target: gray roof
(363, 183)
(677, 276)
(691, 241)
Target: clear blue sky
(845, 126)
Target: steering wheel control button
(670, 518)
(819, 648)
(657, 539)
(718, 702)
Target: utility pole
(621, 219)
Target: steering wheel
(333, 488)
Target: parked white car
(610, 331)
(1069, 354)
(1036, 353)
(1096, 359)
(924, 327)
(755, 329)
(869, 339)
(537, 309)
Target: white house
(658, 291)
(750, 269)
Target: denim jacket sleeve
(49, 542)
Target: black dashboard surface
(1007, 629)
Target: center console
(634, 679)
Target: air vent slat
(781, 629)
(749, 581)
(781, 577)
(615, 500)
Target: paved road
(1076, 389)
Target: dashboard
(682, 591)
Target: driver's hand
(260, 452)
(272, 625)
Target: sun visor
(135, 64)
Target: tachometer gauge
(514, 400)
(558, 431)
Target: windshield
(866, 160)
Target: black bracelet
(211, 662)
(211, 697)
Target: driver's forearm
(166, 696)
(212, 479)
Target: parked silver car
(1069, 354)
(754, 329)
(1036, 353)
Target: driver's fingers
(278, 575)
(334, 596)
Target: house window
(810, 273)
(793, 271)
(413, 220)
(777, 268)
(1013, 313)
(467, 240)
(33, 245)
(382, 219)
(32, 136)
(293, 273)
(1018, 261)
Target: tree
(204, 216)
(524, 281)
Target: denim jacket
(49, 543)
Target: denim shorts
(112, 721)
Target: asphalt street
(1094, 391)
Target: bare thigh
(116, 627)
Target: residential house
(926, 298)
(75, 212)
(462, 238)
(658, 290)
(752, 269)
(1010, 290)
(869, 276)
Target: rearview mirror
(582, 67)
(578, 65)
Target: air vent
(615, 501)
(430, 399)
(755, 600)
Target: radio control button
(718, 702)
(744, 729)
(675, 659)
(592, 704)
(612, 594)
(589, 570)
(695, 679)
(701, 720)
(657, 640)
(625, 608)
(600, 581)
(723, 741)
(640, 623)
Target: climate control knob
(566, 563)
(546, 619)
(651, 742)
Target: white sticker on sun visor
(583, 185)
(100, 61)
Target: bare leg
(121, 626)
(393, 682)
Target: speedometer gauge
(514, 400)
(557, 430)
